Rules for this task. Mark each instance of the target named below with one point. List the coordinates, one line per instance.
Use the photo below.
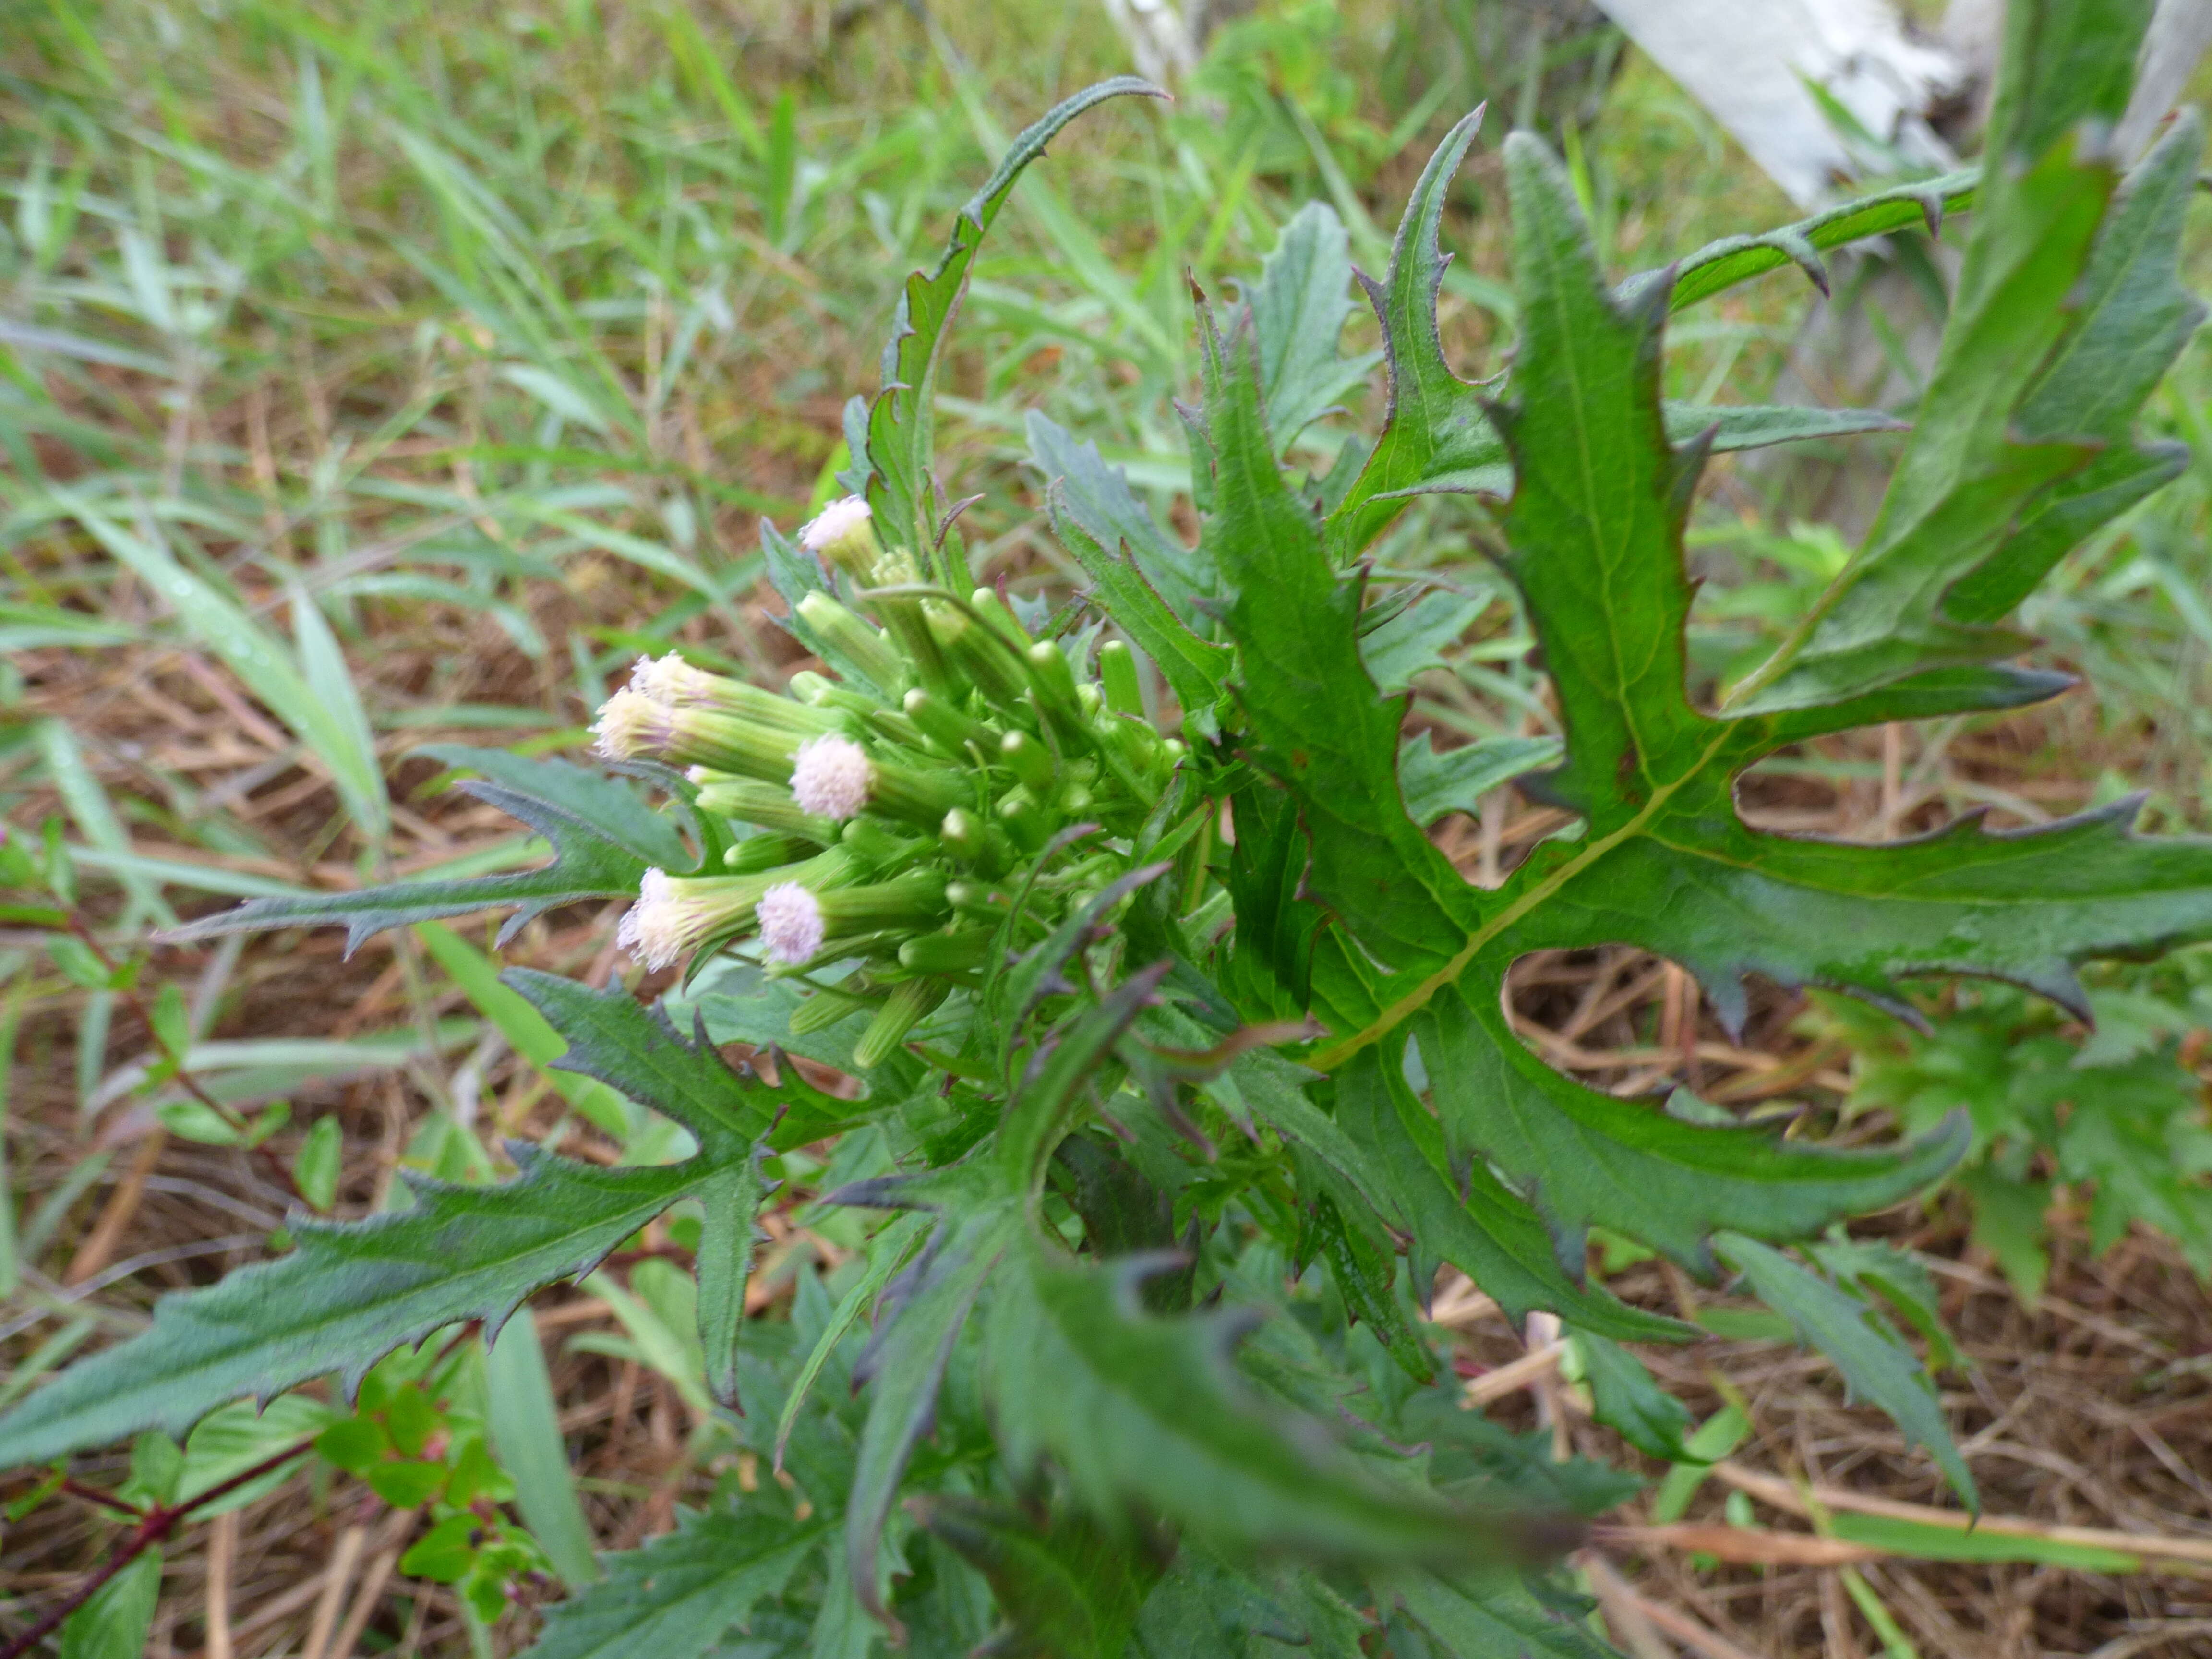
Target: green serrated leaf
(525, 1029)
(1317, 719)
(678, 1596)
(1456, 781)
(2133, 318)
(1071, 1588)
(1299, 309)
(901, 423)
(1490, 1619)
(1193, 668)
(1625, 1399)
(1595, 528)
(1208, 1609)
(587, 863)
(637, 1051)
(349, 1294)
(888, 1252)
(1972, 466)
(724, 1262)
(1414, 638)
(1719, 266)
(1474, 1223)
(1133, 1408)
(611, 806)
(1877, 1368)
(1365, 1274)
(1096, 496)
(1581, 1157)
(903, 1368)
(1433, 425)
(345, 1297)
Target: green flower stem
(908, 622)
(723, 696)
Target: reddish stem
(159, 1522)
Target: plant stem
(160, 1522)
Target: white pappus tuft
(672, 680)
(791, 925)
(656, 929)
(834, 523)
(631, 725)
(831, 776)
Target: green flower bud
(1055, 684)
(978, 898)
(1030, 760)
(765, 805)
(1117, 672)
(1055, 678)
(769, 851)
(991, 664)
(842, 631)
(632, 727)
(945, 727)
(1024, 818)
(961, 951)
(675, 682)
(878, 847)
(843, 535)
(993, 610)
(907, 1003)
(819, 1011)
(971, 841)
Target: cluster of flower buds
(889, 821)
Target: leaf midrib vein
(1328, 1058)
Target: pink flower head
(791, 925)
(831, 776)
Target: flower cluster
(889, 816)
